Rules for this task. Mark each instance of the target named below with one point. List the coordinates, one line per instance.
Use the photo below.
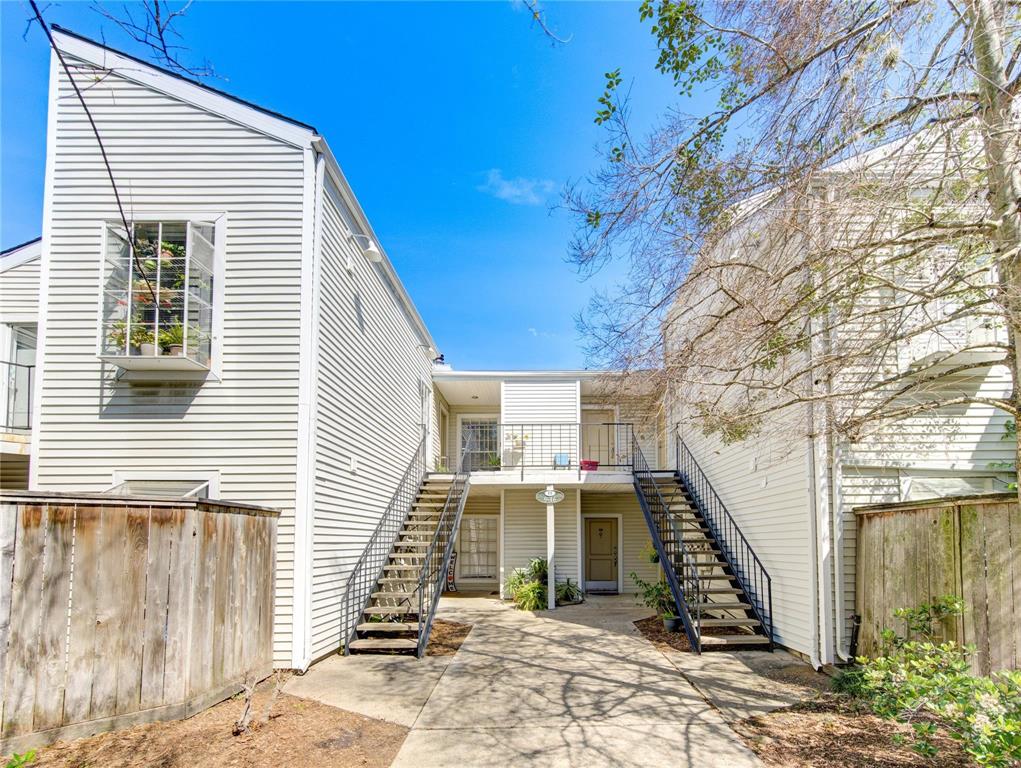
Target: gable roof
(266, 121)
(21, 254)
(218, 102)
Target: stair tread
(730, 622)
(734, 640)
(384, 610)
(383, 644)
(725, 606)
(389, 627)
(394, 595)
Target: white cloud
(517, 191)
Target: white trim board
(620, 545)
(22, 254)
(152, 77)
(211, 476)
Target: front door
(601, 554)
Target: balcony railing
(17, 382)
(566, 447)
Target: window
(478, 556)
(485, 451)
(157, 307)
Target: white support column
(551, 579)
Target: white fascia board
(185, 90)
(45, 243)
(333, 168)
(21, 255)
(500, 375)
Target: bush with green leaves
(532, 596)
(655, 595)
(21, 760)
(568, 592)
(929, 685)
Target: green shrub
(517, 579)
(930, 685)
(532, 596)
(21, 761)
(538, 569)
(568, 592)
(655, 595)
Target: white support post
(551, 579)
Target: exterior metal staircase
(395, 588)
(715, 578)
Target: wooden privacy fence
(120, 610)
(912, 552)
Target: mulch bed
(653, 630)
(838, 732)
(298, 732)
(446, 637)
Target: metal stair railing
(369, 568)
(680, 567)
(437, 557)
(744, 564)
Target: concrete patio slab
(744, 684)
(578, 744)
(392, 688)
(578, 686)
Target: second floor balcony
(559, 447)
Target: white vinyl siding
(369, 412)
(524, 528)
(764, 484)
(170, 156)
(19, 290)
(540, 401)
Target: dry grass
(299, 732)
(837, 732)
(653, 630)
(446, 637)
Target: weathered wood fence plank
(115, 611)
(914, 552)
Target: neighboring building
(19, 317)
(792, 485)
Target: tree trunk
(1000, 142)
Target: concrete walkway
(578, 686)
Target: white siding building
(301, 379)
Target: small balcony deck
(544, 453)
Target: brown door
(601, 554)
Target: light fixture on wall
(370, 250)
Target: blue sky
(457, 124)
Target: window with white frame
(158, 290)
(478, 556)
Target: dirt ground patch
(835, 732)
(446, 637)
(299, 732)
(653, 630)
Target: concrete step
(383, 645)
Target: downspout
(814, 532)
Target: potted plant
(493, 462)
(671, 623)
(172, 339)
(143, 340)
